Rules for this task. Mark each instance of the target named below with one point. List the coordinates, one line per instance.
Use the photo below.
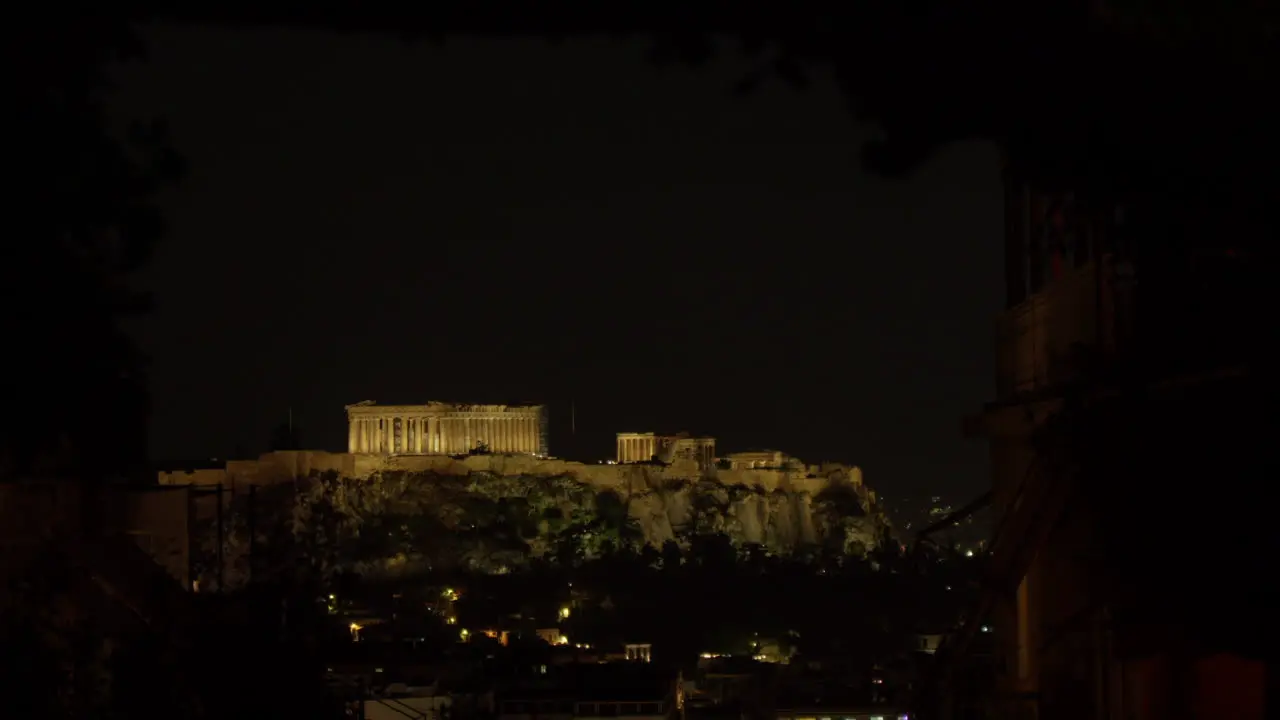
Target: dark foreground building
(1129, 444)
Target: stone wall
(289, 466)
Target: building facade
(445, 429)
(643, 447)
(758, 459)
(1109, 393)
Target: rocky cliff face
(405, 522)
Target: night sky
(510, 221)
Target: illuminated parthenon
(445, 429)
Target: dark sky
(510, 221)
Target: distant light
(968, 553)
(986, 628)
(564, 612)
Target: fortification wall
(289, 466)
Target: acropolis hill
(446, 463)
(444, 439)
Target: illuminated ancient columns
(440, 428)
(636, 447)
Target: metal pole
(253, 529)
(192, 540)
(221, 561)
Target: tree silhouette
(1100, 98)
(83, 224)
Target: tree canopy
(1105, 98)
(82, 224)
